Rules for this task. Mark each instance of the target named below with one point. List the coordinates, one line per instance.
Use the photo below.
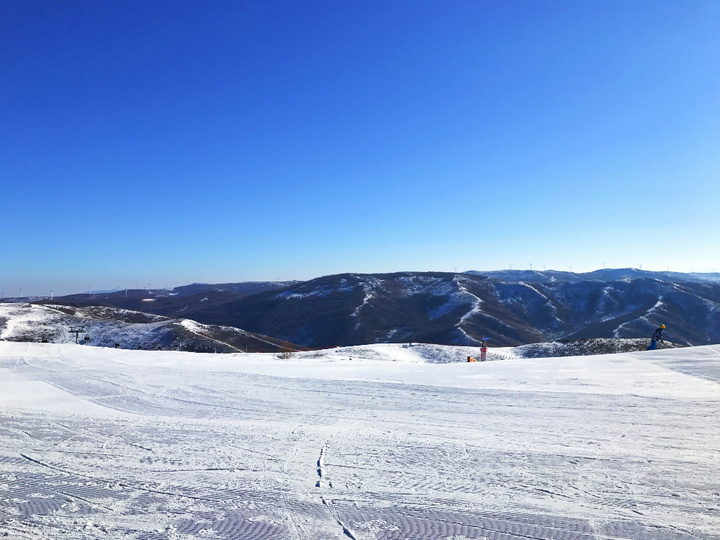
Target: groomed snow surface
(377, 442)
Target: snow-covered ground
(105, 326)
(376, 442)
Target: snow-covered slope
(375, 442)
(105, 326)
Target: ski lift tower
(76, 330)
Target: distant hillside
(116, 327)
(461, 309)
(509, 307)
(586, 347)
(606, 274)
(173, 302)
(353, 309)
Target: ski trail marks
(329, 505)
(292, 526)
(346, 531)
(321, 464)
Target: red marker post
(483, 349)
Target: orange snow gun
(471, 359)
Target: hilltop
(105, 326)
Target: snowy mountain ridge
(461, 309)
(105, 326)
(509, 307)
(605, 274)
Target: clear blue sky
(169, 142)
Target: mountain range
(510, 307)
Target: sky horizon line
(35, 292)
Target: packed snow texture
(376, 442)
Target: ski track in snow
(104, 443)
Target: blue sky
(156, 143)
